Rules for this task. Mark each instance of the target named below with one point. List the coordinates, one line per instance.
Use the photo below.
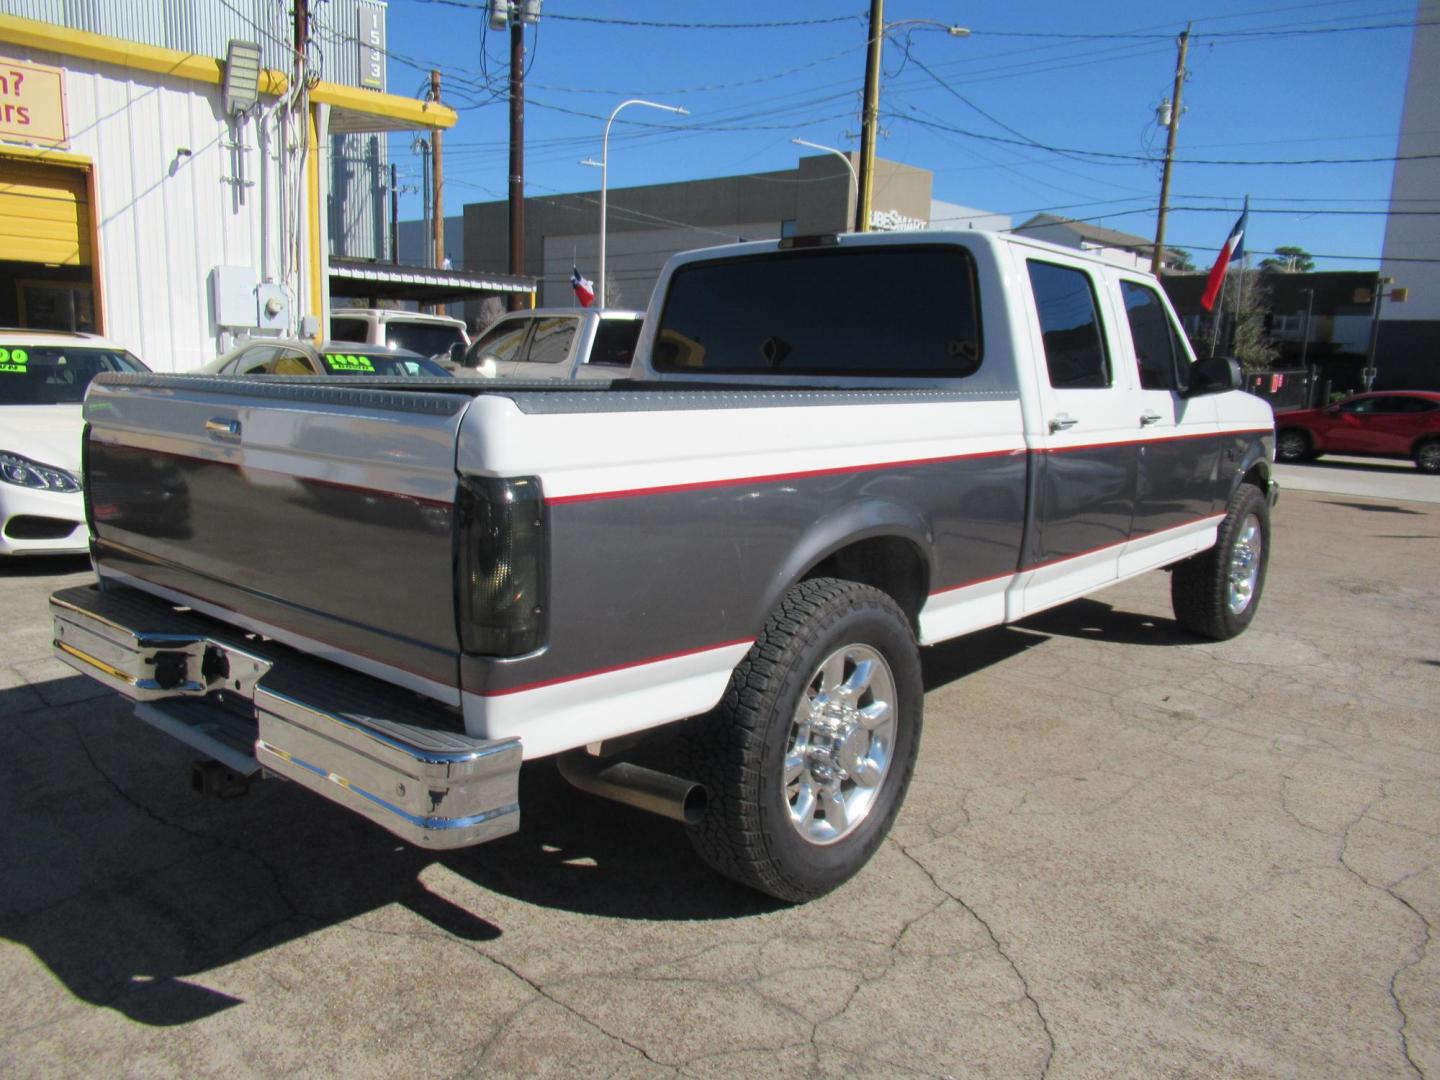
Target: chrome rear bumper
(254, 704)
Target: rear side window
(878, 311)
(349, 330)
(615, 342)
(1070, 326)
(550, 343)
(1152, 336)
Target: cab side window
(551, 343)
(1070, 326)
(502, 341)
(254, 361)
(1152, 336)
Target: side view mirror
(457, 353)
(1215, 375)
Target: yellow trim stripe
(318, 285)
(426, 114)
(128, 54)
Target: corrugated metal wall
(359, 167)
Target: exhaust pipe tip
(660, 793)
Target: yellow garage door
(44, 214)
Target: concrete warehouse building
(1408, 348)
(171, 199)
(650, 223)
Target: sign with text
(32, 103)
(372, 47)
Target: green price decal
(348, 362)
(13, 360)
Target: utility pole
(302, 32)
(517, 154)
(1159, 254)
(394, 215)
(437, 179)
(870, 118)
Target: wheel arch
(884, 545)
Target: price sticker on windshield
(15, 360)
(349, 362)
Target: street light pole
(854, 177)
(604, 178)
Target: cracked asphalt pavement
(1125, 852)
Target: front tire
(1215, 594)
(807, 758)
(1427, 457)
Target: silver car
(555, 343)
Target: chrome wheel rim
(1244, 566)
(841, 743)
(1429, 457)
(1292, 446)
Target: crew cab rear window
(615, 341)
(1069, 326)
(881, 311)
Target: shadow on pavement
(128, 887)
(1100, 621)
(1376, 508)
(28, 566)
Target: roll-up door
(44, 214)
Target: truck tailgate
(314, 513)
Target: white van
(428, 335)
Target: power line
(1179, 161)
(657, 24)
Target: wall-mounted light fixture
(240, 90)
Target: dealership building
(165, 180)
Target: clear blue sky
(1268, 81)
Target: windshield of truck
(615, 342)
(381, 364)
(876, 311)
(55, 374)
(427, 339)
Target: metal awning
(386, 281)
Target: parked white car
(428, 335)
(43, 378)
(556, 343)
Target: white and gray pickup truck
(831, 451)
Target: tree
(1240, 314)
(1290, 260)
(1179, 259)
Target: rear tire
(807, 758)
(1215, 594)
(1293, 445)
(1427, 456)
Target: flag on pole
(584, 288)
(1234, 249)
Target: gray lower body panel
(397, 759)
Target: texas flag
(584, 288)
(1234, 248)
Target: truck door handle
(1148, 418)
(1063, 422)
(220, 426)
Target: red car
(1394, 423)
